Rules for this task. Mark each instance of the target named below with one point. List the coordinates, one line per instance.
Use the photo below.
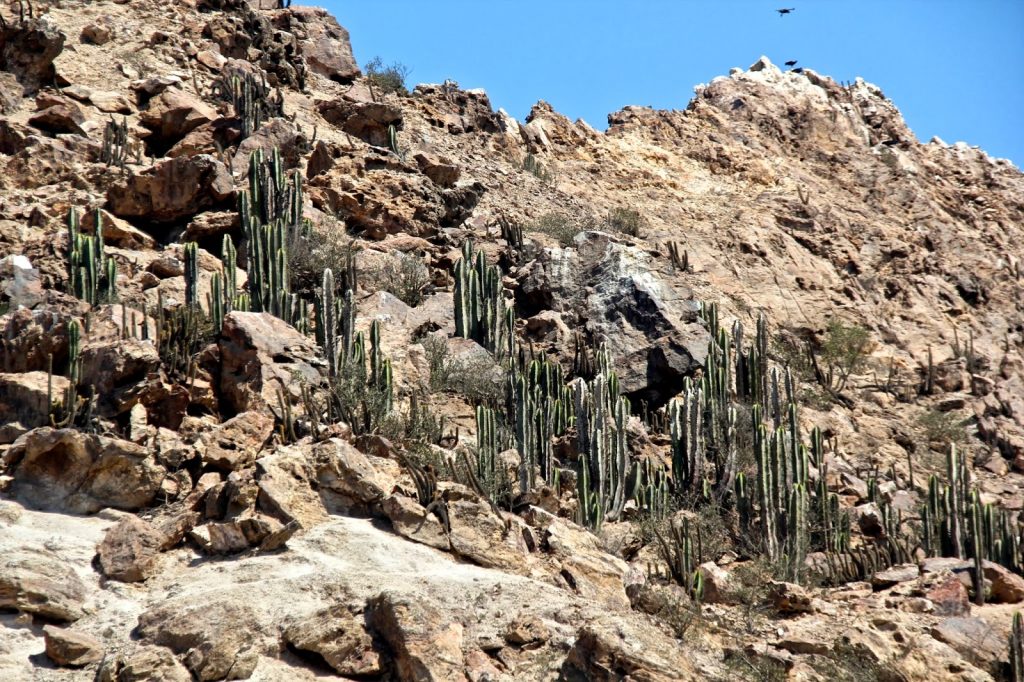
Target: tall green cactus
(1017, 649)
(191, 250)
(88, 267)
(480, 310)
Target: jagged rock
(20, 282)
(230, 537)
(788, 598)
(237, 442)
(97, 34)
(611, 649)
(29, 337)
(348, 473)
(115, 368)
(411, 521)
(590, 571)
(23, 401)
(288, 485)
(110, 102)
(172, 190)
(130, 550)
(427, 645)
(369, 121)
(173, 114)
(950, 597)
(220, 639)
(1007, 587)
(39, 582)
(441, 171)
(144, 664)
(274, 134)
(719, 586)
(117, 232)
(72, 649)
(527, 632)
(973, 638)
(71, 471)
(323, 43)
(894, 574)
(260, 356)
(27, 50)
(649, 324)
(154, 85)
(340, 638)
(63, 118)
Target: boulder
(583, 563)
(115, 369)
(28, 49)
(117, 232)
(369, 121)
(143, 664)
(618, 647)
(39, 582)
(23, 401)
(30, 337)
(219, 638)
(71, 649)
(789, 599)
(895, 574)
(348, 473)
(258, 531)
(613, 289)
(440, 170)
(973, 638)
(323, 43)
(130, 550)
(96, 34)
(340, 638)
(719, 586)
(20, 282)
(71, 471)
(288, 488)
(427, 645)
(172, 190)
(949, 597)
(173, 114)
(63, 118)
(1007, 587)
(110, 102)
(261, 356)
(237, 442)
(274, 134)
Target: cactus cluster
(956, 523)
(1017, 649)
(541, 409)
(601, 416)
(683, 552)
(271, 216)
(92, 276)
(251, 99)
(115, 143)
(480, 310)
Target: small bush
(404, 276)
(308, 257)
(942, 428)
(845, 351)
(386, 79)
(626, 221)
(474, 379)
(558, 226)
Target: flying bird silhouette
(783, 12)
(791, 62)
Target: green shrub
(626, 221)
(942, 428)
(386, 79)
(404, 276)
(473, 379)
(844, 352)
(554, 225)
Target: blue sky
(954, 68)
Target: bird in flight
(784, 11)
(791, 63)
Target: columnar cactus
(191, 274)
(1017, 649)
(480, 310)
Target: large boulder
(427, 645)
(237, 442)
(39, 582)
(323, 43)
(340, 638)
(70, 648)
(172, 190)
(173, 114)
(71, 471)
(612, 289)
(618, 648)
(261, 356)
(23, 401)
(130, 549)
(28, 48)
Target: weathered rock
(115, 369)
(612, 649)
(237, 442)
(117, 232)
(411, 521)
(950, 597)
(324, 44)
(64, 118)
(172, 190)
(23, 401)
(130, 550)
(719, 586)
(72, 649)
(38, 582)
(788, 598)
(230, 537)
(369, 121)
(340, 638)
(27, 49)
(110, 102)
(894, 574)
(260, 356)
(527, 632)
(173, 114)
(441, 171)
(20, 282)
(427, 645)
(96, 34)
(275, 134)
(71, 471)
(650, 325)
(347, 472)
(220, 639)
(1007, 587)
(144, 664)
(593, 573)
(29, 337)
(287, 487)
(973, 638)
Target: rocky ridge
(185, 527)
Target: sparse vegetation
(537, 169)
(384, 79)
(555, 225)
(942, 429)
(627, 221)
(403, 275)
(477, 379)
(844, 352)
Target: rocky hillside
(306, 376)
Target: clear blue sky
(954, 68)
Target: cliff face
(250, 512)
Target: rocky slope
(199, 518)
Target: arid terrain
(305, 375)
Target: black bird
(798, 69)
(791, 62)
(783, 12)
